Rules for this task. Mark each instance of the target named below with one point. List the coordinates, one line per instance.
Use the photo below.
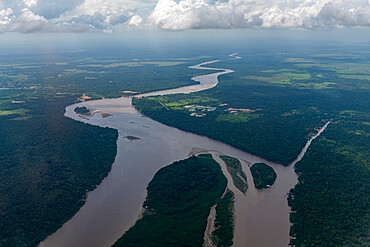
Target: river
(145, 146)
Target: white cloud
(5, 18)
(337, 15)
(111, 15)
(30, 3)
(136, 21)
(101, 14)
(28, 22)
(193, 14)
(186, 14)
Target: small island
(235, 169)
(82, 110)
(264, 176)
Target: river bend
(262, 216)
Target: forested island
(263, 175)
(178, 204)
(237, 174)
(82, 110)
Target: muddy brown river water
(262, 216)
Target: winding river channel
(145, 146)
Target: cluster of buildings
(199, 108)
(194, 108)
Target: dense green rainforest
(48, 162)
(273, 102)
(331, 200)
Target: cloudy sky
(27, 16)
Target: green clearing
(341, 68)
(190, 58)
(299, 60)
(273, 80)
(351, 68)
(279, 70)
(240, 118)
(323, 85)
(28, 66)
(336, 56)
(294, 80)
(297, 76)
(357, 77)
(284, 78)
(19, 111)
(18, 77)
(178, 204)
(133, 64)
(78, 71)
(183, 101)
(21, 65)
(20, 118)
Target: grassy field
(19, 111)
(134, 64)
(241, 118)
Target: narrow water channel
(262, 217)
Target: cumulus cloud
(185, 14)
(136, 21)
(6, 16)
(68, 15)
(193, 14)
(101, 14)
(109, 15)
(336, 15)
(30, 3)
